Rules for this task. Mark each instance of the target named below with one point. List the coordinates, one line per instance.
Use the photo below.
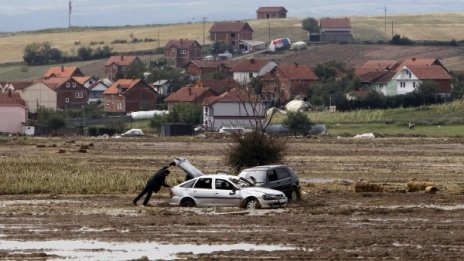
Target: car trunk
(190, 170)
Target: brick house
(231, 32)
(128, 95)
(271, 12)
(116, 65)
(63, 72)
(336, 30)
(204, 69)
(287, 81)
(179, 52)
(69, 92)
(195, 94)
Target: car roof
(224, 176)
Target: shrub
(253, 149)
(298, 123)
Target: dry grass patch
(360, 187)
(415, 186)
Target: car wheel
(252, 203)
(187, 202)
(295, 195)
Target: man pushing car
(154, 184)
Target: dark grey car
(279, 177)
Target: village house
(63, 72)
(231, 32)
(410, 77)
(194, 94)
(69, 93)
(13, 113)
(234, 108)
(35, 93)
(208, 69)
(117, 65)
(246, 69)
(97, 89)
(336, 30)
(271, 12)
(179, 52)
(163, 87)
(129, 95)
(85, 81)
(286, 81)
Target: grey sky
(25, 15)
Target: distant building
(13, 112)
(128, 95)
(195, 94)
(231, 32)
(116, 65)
(179, 52)
(246, 69)
(336, 30)
(271, 12)
(70, 93)
(63, 72)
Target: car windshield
(256, 176)
(241, 182)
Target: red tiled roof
(250, 65)
(271, 9)
(124, 84)
(418, 62)
(54, 83)
(225, 27)
(17, 85)
(11, 98)
(233, 96)
(124, 60)
(371, 76)
(61, 71)
(431, 72)
(82, 80)
(188, 93)
(297, 72)
(335, 23)
(182, 43)
(386, 78)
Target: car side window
(271, 175)
(282, 173)
(223, 184)
(204, 183)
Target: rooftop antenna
(70, 10)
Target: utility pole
(392, 28)
(269, 31)
(159, 40)
(385, 21)
(204, 22)
(69, 15)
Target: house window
(402, 84)
(79, 95)
(250, 75)
(123, 68)
(206, 110)
(115, 67)
(66, 100)
(119, 106)
(232, 34)
(68, 85)
(183, 51)
(409, 74)
(414, 84)
(74, 85)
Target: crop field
(71, 197)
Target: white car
(224, 190)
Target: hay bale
(41, 146)
(367, 187)
(61, 151)
(82, 151)
(415, 186)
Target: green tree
(253, 149)
(311, 25)
(135, 71)
(85, 53)
(458, 85)
(157, 121)
(185, 113)
(41, 53)
(297, 123)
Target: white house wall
(243, 77)
(228, 114)
(406, 81)
(13, 119)
(39, 95)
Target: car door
(274, 182)
(226, 194)
(203, 192)
(285, 180)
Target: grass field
(417, 27)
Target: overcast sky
(28, 15)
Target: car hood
(263, 190)
(186, 166)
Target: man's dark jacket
(158, 180)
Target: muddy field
(331, 222)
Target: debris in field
(84, 147)
(431, 189)
(82, 151)
(365, 136)
(61, 151)
(415, 186)
(41, 146)
(367, 187)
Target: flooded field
(332, 221)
